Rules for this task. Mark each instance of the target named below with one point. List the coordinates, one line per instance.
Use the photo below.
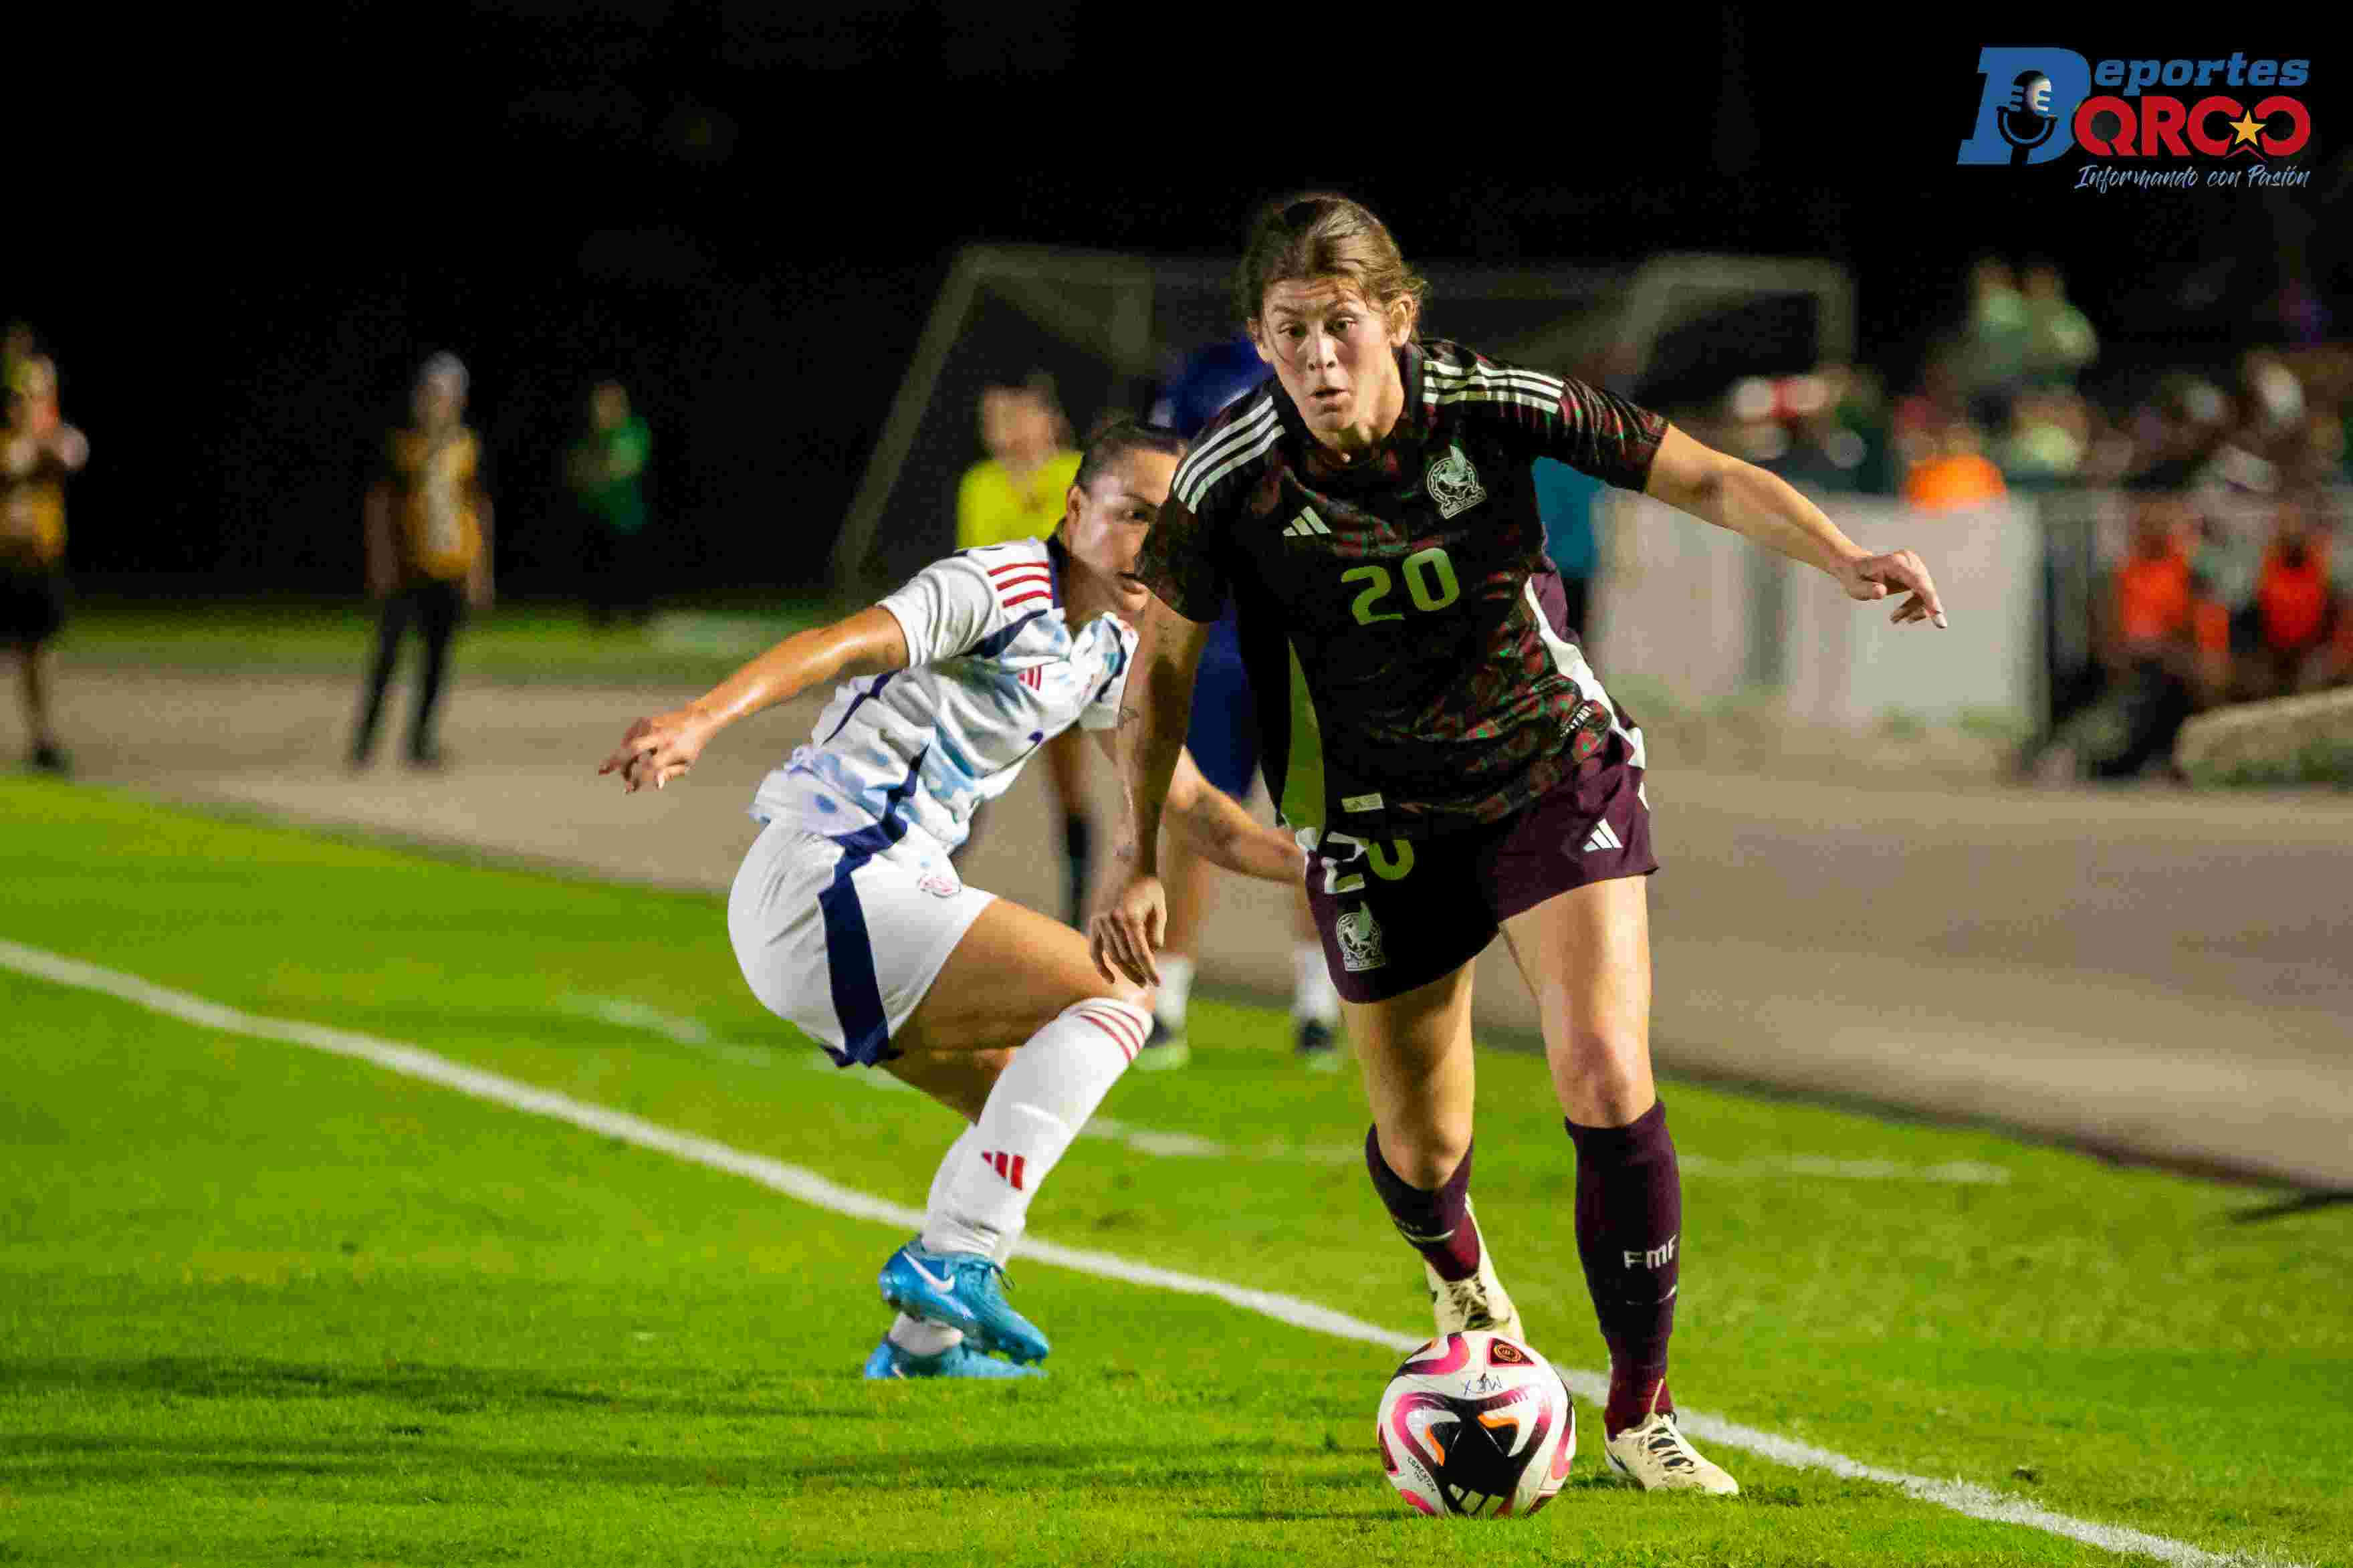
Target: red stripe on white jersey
(1016, 566)
(1025, 598)
(1035, 574)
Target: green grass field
(516, 642)
(262, 1304)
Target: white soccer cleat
(1657, 1458)
(1479, 1302)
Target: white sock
(1042, 1099)
(935, 1201)
(1312, 992)
(917, 1337)
(1176, 993)
(913, 1333)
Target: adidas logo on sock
(1305, 525)
(1005, 1165)
(1603, 838)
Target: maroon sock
(1438, 1223)
(1629, 1221)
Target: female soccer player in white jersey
(1445, 752)
(849, 921)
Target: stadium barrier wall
(1709, 615)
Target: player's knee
(1425, 1151)
(1604, 1076)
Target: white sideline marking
(687, 1031)
(413, 1061)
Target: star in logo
(2248, 129)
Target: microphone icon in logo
(2024, 119)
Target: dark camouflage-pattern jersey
(1396, 598)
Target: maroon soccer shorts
(1399, 913)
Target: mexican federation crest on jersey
(1453, 483)
(1360, 939)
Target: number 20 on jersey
(1430, 584)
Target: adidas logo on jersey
(1306, 525)
(1603, 838)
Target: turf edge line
(1962, 1496)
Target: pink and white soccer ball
(1477, 1424)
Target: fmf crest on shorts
(1360, 939)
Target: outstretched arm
(659, 749)
(1717, 487)
(1218, 828)
(1222, 831)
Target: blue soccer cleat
(957, 1360)
(960, 1290)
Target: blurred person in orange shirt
(1019, 491)
(2298, 608)
(1958, 476)
(38, 452)
(428, 523)
(2169, 641)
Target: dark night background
(238, 248)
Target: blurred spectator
(427, 521)
(18, 349)
(1017, 491)
(2224, 565)
(1020, 491)
(2048, 441)
(1860, 407)
(2060, 341)
(38, 452)
(1564, 501)
(2180, 436)
(606, 468)
(2298, 608)
(2168, 644)
(1990, 357)
(1957, 474)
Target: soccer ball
(1476, 1424)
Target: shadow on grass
(571, 1456)
(413, 1430)
(441, 1390)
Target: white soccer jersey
(993, 672)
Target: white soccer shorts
(843, 935)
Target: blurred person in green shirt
(606, 468)
(1019, 491)
(2060, 341)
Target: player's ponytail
(1321, 234)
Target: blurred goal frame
(1623, 310)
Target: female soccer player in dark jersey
(1435, 735)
